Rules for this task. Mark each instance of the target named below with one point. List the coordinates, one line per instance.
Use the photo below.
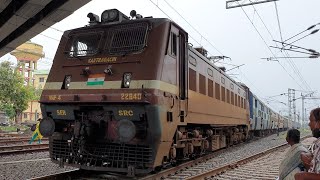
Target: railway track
(10, 135)
(263, 165)
(201, 168)
(23, 148)
(15, 140)
(81, 174)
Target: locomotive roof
(154, 21)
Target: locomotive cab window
(173, 44)
(84, 45)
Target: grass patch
(13, 128)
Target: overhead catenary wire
(276, 7)
(269, 47)
(260, 92)
(291, 63)
(193, 27)
(172, 19)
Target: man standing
(312, 161)
(292, 163)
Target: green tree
(14, 95)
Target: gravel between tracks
(27, 170)
(235, 153)
(25, 156)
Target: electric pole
(292, 105)
(303, 97)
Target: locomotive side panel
(213, 97)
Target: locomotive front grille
(112, 155)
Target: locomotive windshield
(85, 45)
(120, 40)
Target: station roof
(21, 20)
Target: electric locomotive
(131, 95)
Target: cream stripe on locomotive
(134, 84)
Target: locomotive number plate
(131, 96)
(54, 97)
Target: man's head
(293, 136)
(315, 122)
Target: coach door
(179, 41)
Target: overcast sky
(230, 33)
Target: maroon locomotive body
(130, 95)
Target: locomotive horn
(133, 14)
(93, 18)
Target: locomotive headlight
(113, 14)
(105, 16)
(126, 80)
(109, 15)
(47, 127)
(126, 130)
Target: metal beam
(49, 8)
(240, 3)
(9, 11)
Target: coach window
(241, 102)
(210, 88)
(192, 80)
(202, 84)
(236, 100)
(232, 98)
(228, 96)
(223, 94)
(217, 90)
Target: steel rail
(17, 140)
(23, 148)
(235, 164)
(63, 175)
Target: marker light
(126, 80)
(67, 81)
